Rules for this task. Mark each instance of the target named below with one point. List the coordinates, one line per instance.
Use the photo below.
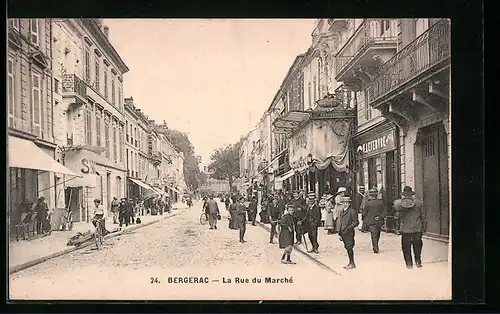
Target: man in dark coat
(213, 212)
(123, 212)
(374, 214)
(42, 212)
(299, 213)
(358, 199)
(413, 224)
(252, 210)
(281, 203)
(313, 221)
(241, 213)
(286, 235)
(346, 224)
(274, 215)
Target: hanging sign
(383, 142)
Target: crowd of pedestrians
(293, 216)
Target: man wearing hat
(413, 224)
(313, 220)
(346, 224)
(358, 199)
(374, 214)
(339, 207)
(274, 216)
(42, 212)
(298, 214)
(241, 213)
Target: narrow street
(175, 247)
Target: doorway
(434, 152)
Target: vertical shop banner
(301, 145)
(331, 143)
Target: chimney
(106, 31)
(129, 101)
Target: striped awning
(290, 121)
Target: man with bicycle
(99, 215)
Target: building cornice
(92, 26)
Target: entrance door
(435, 181)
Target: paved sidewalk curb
(315, 261)
(40, 260)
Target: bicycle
(203, 219)
(98, 236)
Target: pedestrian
(286, 235)
(274, 213)
(252, 210)
(329, 221)
(233, 216)
(358, 199)
(213, 212)
(413, 225)
(264, 212)
(42, 212)
(241, 213)
(227, 202)
(299, 213)
(366, 196)
(123, 212)
(346, 224)
(313, 221)
(130, 212)
(114, 209)
(338, 207)
(281, 204)
(374, 214)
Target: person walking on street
(338, 207)
(42, 212)
(227, 202)
(374, 214)
(130, 211)
(358, 199)
(329, 221)
(299, 212)
(241, 213)
(313, 221)
(252, 210)
(346, 224)
(213, 212)
(281, 204)
(123, 212)
(413, 225)
(99, 214)
(233, 216)
(114, 209)
(274, 213)
(286, 235)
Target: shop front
(33, 173)
(378, 164)
(100, 179)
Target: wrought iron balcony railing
(73, 84)
(426, 51)
(368, 33)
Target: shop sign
(88, 166)
(300, 147)
(382, 143)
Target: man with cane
(313, 221)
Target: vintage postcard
(229, 159)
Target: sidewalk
(23, 252)
(385, 274)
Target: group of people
(125, 210)
(340, 214)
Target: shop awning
(25, 154)
(285, 176)
(157, 190)
(141, 184)
(290, 121)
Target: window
(113, 90)
(421, 25)
(115, 153)
(35, 38)
(126, 130)
(56, 86)
(98, 127)
(106, 92)
(119, 97)
(121, 143)
(106, 136)
(15, 23)
(88, 125)
(37, 99)
(97, 72)
(87, 65)
(384, 27)
(315, 89)
(11, 84)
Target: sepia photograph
(229, 159)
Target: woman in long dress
(286, 235)
(329, 221)
(339, 206)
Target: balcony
(74, 89)
(422, 58)
(156, 158)
(372, 44)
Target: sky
(212, 79)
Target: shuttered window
(87, 65)
(37, 99)
(34, 32)
(11, 86)
(98, 118)
(106, 136)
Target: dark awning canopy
(290, 121)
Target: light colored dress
(329, 220)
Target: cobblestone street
(181, 247)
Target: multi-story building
(412, 90)
(89, 113)
(33, 169)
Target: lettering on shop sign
(88, 166)
(381, 143)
